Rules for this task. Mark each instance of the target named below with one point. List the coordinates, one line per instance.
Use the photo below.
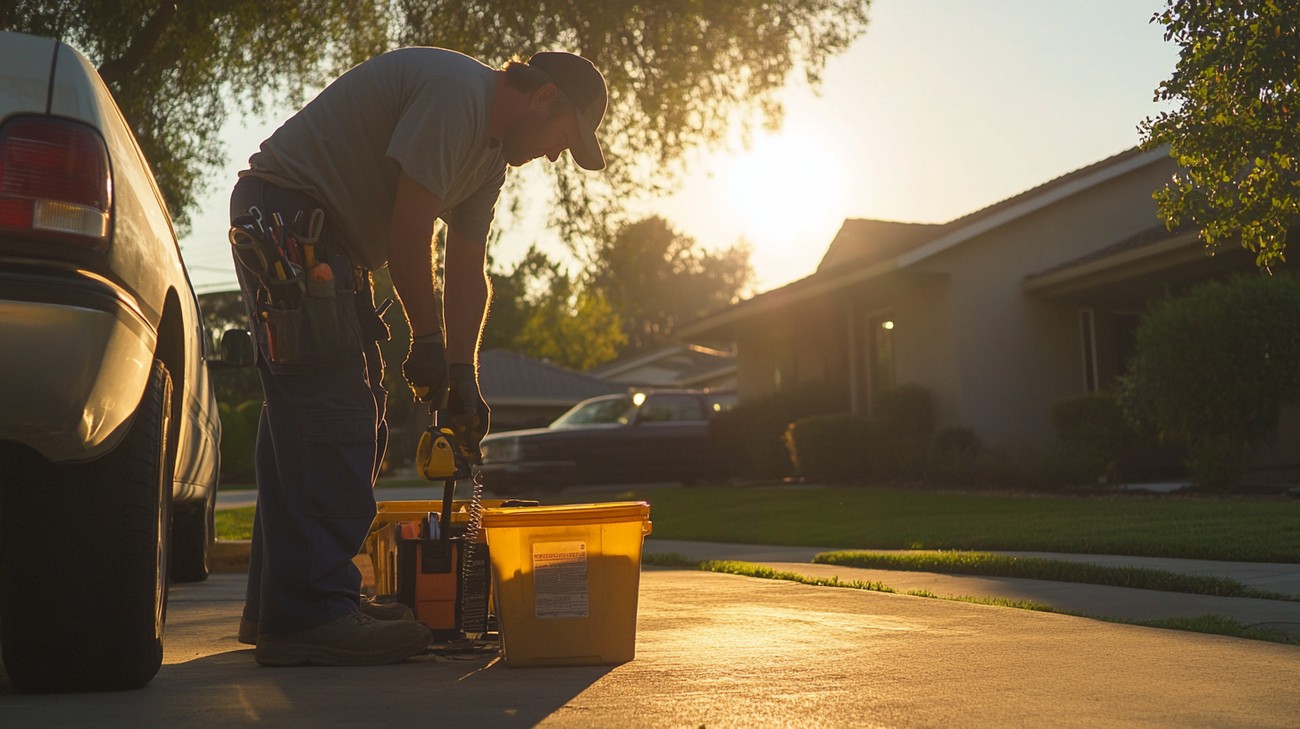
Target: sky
(940, 108)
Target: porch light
(888, 324)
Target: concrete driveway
(720, 650)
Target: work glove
(425, 368)
(466, 409)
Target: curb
(229, 555)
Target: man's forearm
(410, 256)
(467, 292)
(414, 281)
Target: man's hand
(468, 412)
(425, 368)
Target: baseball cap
(585, 87)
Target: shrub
(238, 439)
(902, 425)
(749, 436)
(954, 456)
(829, 447)
(1046, 469)
(1213, 369)
(907, 410)
(1094, 429)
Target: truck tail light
(55, 182)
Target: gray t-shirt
(419, 110)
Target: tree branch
(116, 70)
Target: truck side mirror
(236, 350)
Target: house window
(881, 358)
(1088, 345)
(783, 374)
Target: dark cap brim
(587, 152)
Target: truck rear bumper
(74, 359)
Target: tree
(1214, 368)
(657, 280)
(579, 331)
(680, 72)
(1236, 131)
(540, 311)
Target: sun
(786, 187)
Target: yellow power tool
(440, 455)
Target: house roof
(1137, 241)
(863, 242)
(686, 365)
(900, 245)
(510, 378)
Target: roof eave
(1123, 265)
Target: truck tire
(83, 578)
(193, 533)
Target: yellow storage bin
(565, 581)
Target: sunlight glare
(786, 187)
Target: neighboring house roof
(683, 365)
(900, 246)
(510, 378)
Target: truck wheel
(83, 581)
(192, 536)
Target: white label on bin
(560, 579)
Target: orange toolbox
(420, 556)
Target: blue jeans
(321, 436)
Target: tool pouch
(318, 326)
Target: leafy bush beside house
(829, 448)
(1094, 429)
(954, 456)
(902, 425)
(1214, 368)
(894, 444)
(749, 436)
(238, 438)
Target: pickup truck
(109, 428)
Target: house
(525, 392)
(998, 313)
(682, 365)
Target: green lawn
(1262, 530)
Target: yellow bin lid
(561, 515)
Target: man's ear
(543, 95)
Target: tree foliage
(681, 72)
(636, 289)
(1214, 368)
(658, 279)
(1236, 130)
(540, 311)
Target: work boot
(376, 607)
(385, 607)
(356, 639)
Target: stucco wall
(1017, 353)
(994, 356)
